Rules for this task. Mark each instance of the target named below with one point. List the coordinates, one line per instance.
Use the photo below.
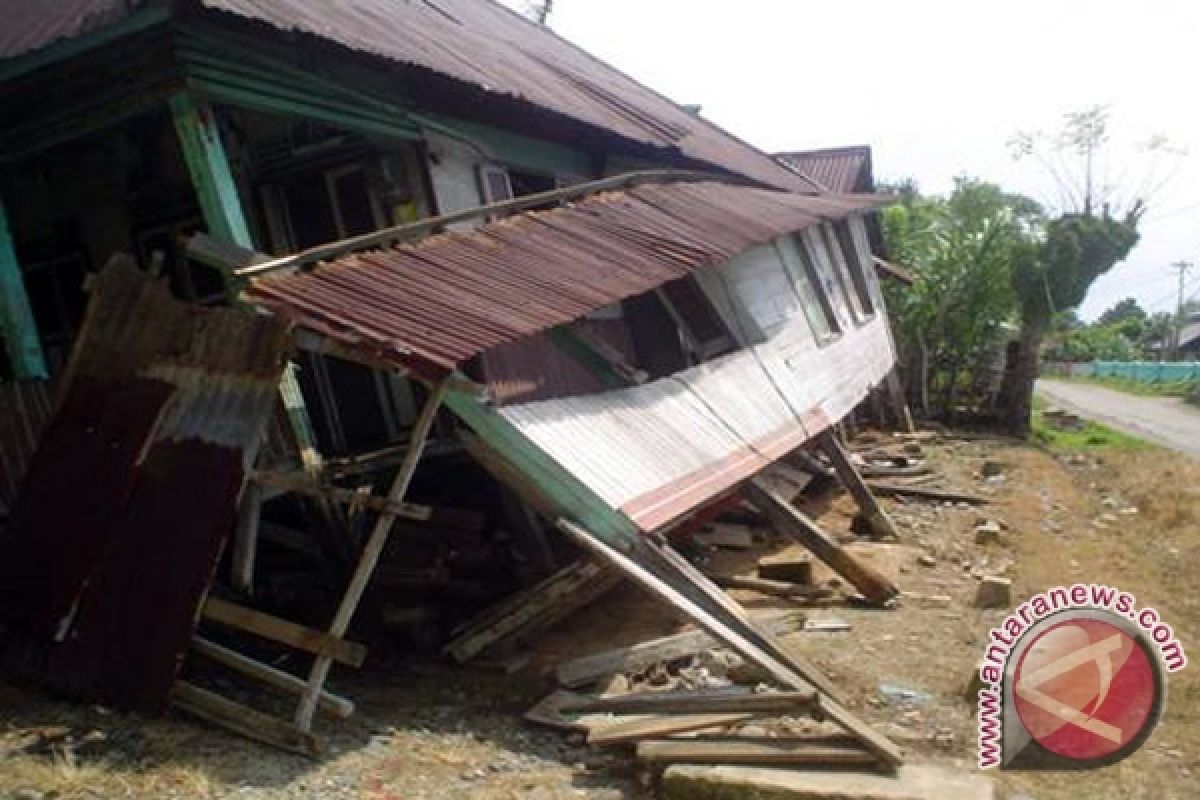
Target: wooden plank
(772, 587)
(739, 700)
(761, 751)
(245, 539)
(220, 254)
(788, 520)
(877, 518)
(283, 631)
(591, 668)
(559, 594)
(371, 552)
(938, 495)
(17, 326)
(243, 720)
(645, 727)
(338, 706)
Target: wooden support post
(204, 154)
(17, 325)
(899, 403)
(788, 520)
(245, 538)
(876, 517)
(370, 553)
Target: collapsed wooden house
(409, 217)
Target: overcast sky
(936, 89)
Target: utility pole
(1182, 268)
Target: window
(701, 331)
(856, 253)
(803, 274)
(842, 272)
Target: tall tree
(1086, 239)
(961, 248)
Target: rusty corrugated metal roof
(837, 169)
(436, 303)
(478, 42)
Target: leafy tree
(1054, 270)
(961, 249)
(1126, 309)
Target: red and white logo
(1085, 689)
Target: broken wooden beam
(695, 702)
(243, 720)
(338, 706)
(790, 521)
(637, 657)
(283, 631)
(848, 476)
(763, 751)
(938, 495)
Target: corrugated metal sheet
(133, 489)
(24, 409)
(837, 169)
(437, 303)
(477, 42)
(659, 450)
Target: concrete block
(911, 782)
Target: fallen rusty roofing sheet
(480, 43)
(438, 302)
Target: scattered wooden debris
(788, 520)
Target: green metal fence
(1146, 371)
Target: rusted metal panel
(24, 410)
(477, 43)
(79, 481)
(30, 26)
(836, 169)
(136, 618)
(441, 301)
(134, 486)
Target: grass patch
(1092, 436)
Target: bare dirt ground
(426, 730)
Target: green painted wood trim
(230, 73)
(16, 316)
(514, 149)
(146, 17)
(579, 350)
(559, 486)
(209, 168)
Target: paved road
(1166, 420)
